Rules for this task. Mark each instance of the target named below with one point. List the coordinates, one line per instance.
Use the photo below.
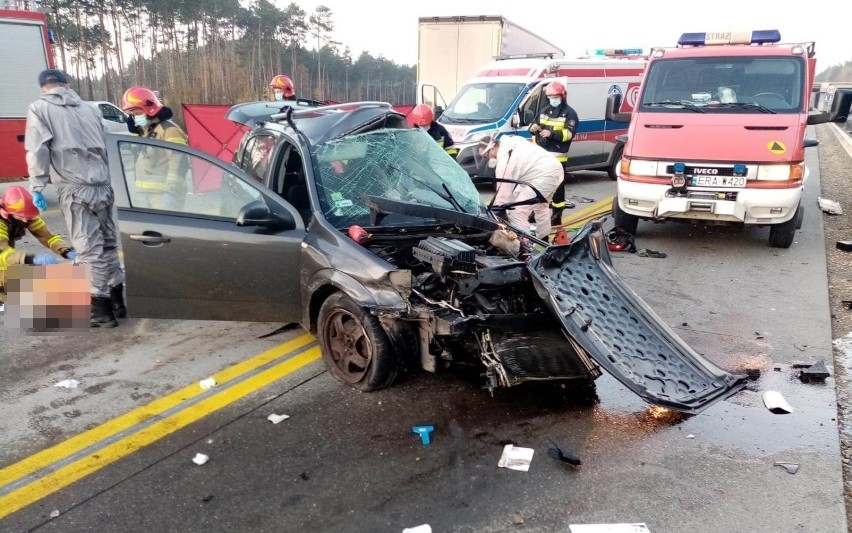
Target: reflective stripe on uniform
(36, 224)
(562, 158)
(558, 205)
(4, 257)
(155, 185)
(54, 240)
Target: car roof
(251, 113)
(323, 124)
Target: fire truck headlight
(639, 167)
(776, 172)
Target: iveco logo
(708, 171)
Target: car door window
(530, 109)
(290, 181)
(168, 179)
(258, 156)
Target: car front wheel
(355, 348)
(782, 235)
(625, 221)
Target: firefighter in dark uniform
(423, 117)
(554, 131)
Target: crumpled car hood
(620, 332)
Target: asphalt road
(348, 461)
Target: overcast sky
(387, 29)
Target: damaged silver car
(362, 230)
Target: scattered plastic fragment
(277, 418)
(690, 436)
(516, 458)
(200, 459)
(561, 453)
(207, 383)
(425, 528)
(68, 384)
(608, 528)
(844, 246)
(517, 519)
(424, 432)
(54, 513)
(830, 206)
(815, 372)
(776, 403)
(791, 468)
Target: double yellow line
(39, 475)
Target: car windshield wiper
(461, 120)
(450, 199)
(679, 103)
(743, 105)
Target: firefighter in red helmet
(553, 130)
(18, 215)
(160, 175)
(282, 88)
(423, 117)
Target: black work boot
(102, 315)
(555, 216)
(116, 294)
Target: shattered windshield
(399, 164)
(480, 103)
(756, 85)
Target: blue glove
(71, 255)
(39, 201)
(45, 259)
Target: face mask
(554, 101)
(140, 120)
(279, 97)
(492, 163)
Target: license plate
(719, 181)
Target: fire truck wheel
(782, 235)
(625, 221)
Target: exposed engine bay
(474, 299)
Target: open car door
(231, 252)
(620, 332)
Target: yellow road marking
(591, 212)
(106, 455)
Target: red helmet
(422, 115)
(143, 98)
(555, 88)
(17, 201)
(285, 84)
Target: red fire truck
(24, 52)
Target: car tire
(612, 170)
(355, 348)
(800, 216)
(625, 221)
(782, 235)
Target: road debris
(791, 468)
(776, 403)
(200, 459)
(561, 453)
(647, 252)
(424, 432)
(690, 436)
(830, 206)
(425, 528)
(608, 528)
(815, 372)
(516, 458)
(753, 373)
(844, 246)
(68, 384)
(208, 383)
(277, 418)
(517, 519)
(54, 513)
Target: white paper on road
(68, 383)
(776, 403)
(207, 383)
(516, 458)
(277, 418)
(425, 528)
(609, 528)
(200, 459)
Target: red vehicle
(24, 52)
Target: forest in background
(214, 52)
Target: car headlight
(781, 172)
(639, 167)
(479, 135)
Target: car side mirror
(257, 214)
(613, 103)
(839, 109)
(516, 120)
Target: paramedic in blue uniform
(553, 130)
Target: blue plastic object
(424, 432)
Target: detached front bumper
(748, 206)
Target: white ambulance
(507, 95)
